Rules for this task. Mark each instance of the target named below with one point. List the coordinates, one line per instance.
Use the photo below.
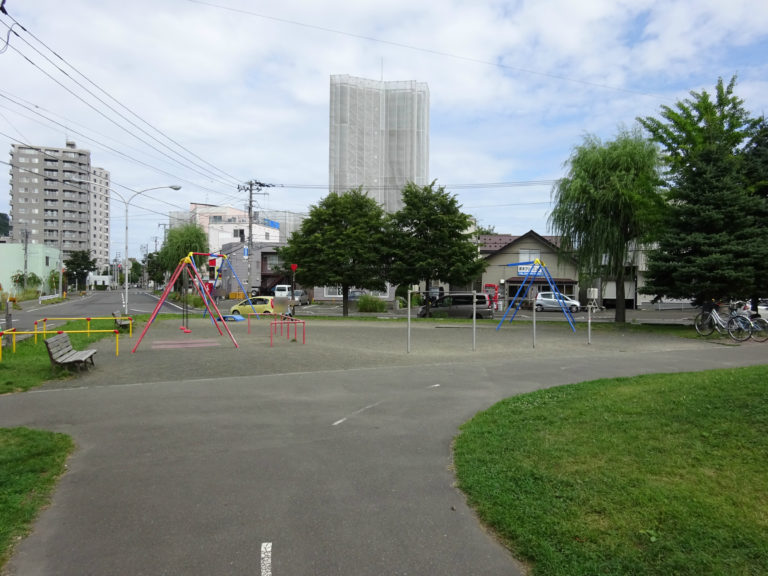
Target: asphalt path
(95, 304)
(196, 456)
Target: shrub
(368, 303)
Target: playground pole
(218, 313)
(205, 301)
(408, 345)
(160, 302)
(474, 321)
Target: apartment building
(99, 217)
(52, 202)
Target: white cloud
(514, 85)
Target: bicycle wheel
(759, 329)
(739, 328)
(704, 324)
(720, 325)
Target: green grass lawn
(30, 366)
(32, 460)
(30, 463)
(661, 474)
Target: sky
(208, 95)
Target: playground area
(194, 454)
(170, 353)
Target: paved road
(94, 304)
(196, 457)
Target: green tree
(756, 169)
(135, 272)
(711, 234)
(608, 204)
(155, 268)
(180, 242)
(78, 265)
(53, 281)
(342, 243)
(485, 230)
(431, 239)
(24, 281)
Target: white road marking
(434, 386)
(266, 559)
(356, 412)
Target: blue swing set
(537, 269)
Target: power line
(101, 144)
(207, 173)
(434, 52)
(106, 117)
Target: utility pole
(26, 256)
(249, 186)
(165, 233)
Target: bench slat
(61, 352)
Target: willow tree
(608, 204)
(179, 243)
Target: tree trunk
(621, 301)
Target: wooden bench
(120, 321)
(62, 354)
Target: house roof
(492, 243)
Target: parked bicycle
(738, 326)
(709, 320)
(741, 327)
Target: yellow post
(14, 342)
(35, 331)
(117, 343)
(88, 326)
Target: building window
(273, 262)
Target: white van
(283, 291)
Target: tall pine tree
(711, 230)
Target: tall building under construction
(379, 137)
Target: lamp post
(125, 256)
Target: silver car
(301, 297)
(552, 301)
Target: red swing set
(188, 264)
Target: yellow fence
(45, 331)
(88, 324)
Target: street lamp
(125, 256)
